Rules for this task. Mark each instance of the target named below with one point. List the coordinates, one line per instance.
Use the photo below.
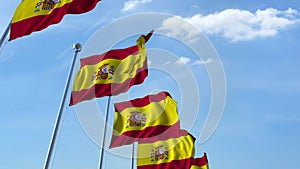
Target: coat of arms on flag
(104, 72)
(136, 119)
(46, 5)
(159, 153)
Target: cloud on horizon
(204, 62)
(234, 24)
(132, 4)
(185, 60)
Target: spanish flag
(175, 153)
(36, 15)
(200, 163)
(149, 118)
(111, 73)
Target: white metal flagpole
(132, 156)
(4, 37)
(77, 49)
(104, 134)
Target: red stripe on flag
(175, 164)
(148, 36)
(148, 135)
(201, 161)
(174, 134)
(141, 102)
(119, 54)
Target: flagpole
(4, 37)
(132, 157)
(77, 49)
(104, 133)
(5, 34)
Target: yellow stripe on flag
(156, 113)
(199, 167)
(123, 70)
(165, 151)
(31, 8)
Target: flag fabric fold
(200, 163)
(148, 118)
(36, 15)
(175, 153)
(111, 73)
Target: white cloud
(234, 24)
(204, 62)
(132, 4)
(167, 62)
(186, 60)
(178, 27)
(183, 60)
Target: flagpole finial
(77, 47)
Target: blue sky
(256, 46)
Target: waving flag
(200, 163)
(175, 153)
(36, 15)
(111, 73)
(145, 118)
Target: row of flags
(151, 121)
